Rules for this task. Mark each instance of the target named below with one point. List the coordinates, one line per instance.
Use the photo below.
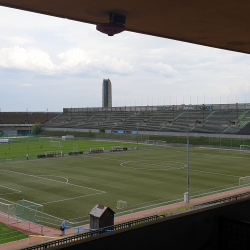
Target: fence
(231, 106)
(22, 228)
(96, 232)
(132, 223)
(20, 134)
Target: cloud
(21, 58)
(112, 65)
(73, 61)
(17, 39)
(160, 68)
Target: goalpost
(121, 204)
(117, 148)
(244, 147)
(161, 143)
(75, 147)
(56, 144)
(244, 181)
(57, 153)
(96, 150)
(29, 211)
(45, 138)
(150, 142)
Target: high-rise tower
(106, 93)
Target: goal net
(117, 148)
(121, 204)
(45, 138)
(57, 153)
(96, 150)
(75, 147)
(56, 144)
(7, 210)
(245, 148)
(244, 181)
(29, 211)
(150, 142)
(161, 143)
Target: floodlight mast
(137, 134)
(190, 105)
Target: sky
(52, 63)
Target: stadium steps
(208, 116)
(245, 130)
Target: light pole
(187, 198)
(137, 135)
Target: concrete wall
(155, 133)
(193, 230)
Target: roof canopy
(221, 24)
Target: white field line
(67, 180)
(71, 198)
(8, 201)
(67, 183)
(145, 163)
(206, 172)
(15, 191)
(35, 176)
(224, 156)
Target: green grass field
(69, 187)
(8, 234)
(21, 146)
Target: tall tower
(106, 93)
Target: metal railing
(132, 223)
(222, 200)
(43, 237)
(94, 233)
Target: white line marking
(67, 183)
(213, 173)
(15, 191)
(157, 165)
(67, 180)
(70, 198)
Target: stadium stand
(201, 120)
(26, 117)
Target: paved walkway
(51, 232)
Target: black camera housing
(117, 18)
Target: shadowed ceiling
(221, 24)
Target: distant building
(106, 93)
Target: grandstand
(211, 119)
(216, 119)
(19, 122)
(26, 117)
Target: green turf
(69, 187)
(8, 234)
(32, 146)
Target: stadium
(124, 176)
(130, 159)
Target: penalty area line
(70, 198)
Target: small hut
(101, 216)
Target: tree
(37, 128)
(102, 130)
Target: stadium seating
(200, 121)
(26, 117)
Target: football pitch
(69, 187)
(34, 146)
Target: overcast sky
(48, 62)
